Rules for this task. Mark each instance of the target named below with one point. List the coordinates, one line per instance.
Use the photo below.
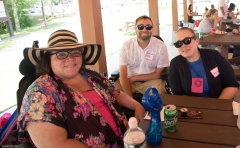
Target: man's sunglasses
(141, 27)
(185, 41)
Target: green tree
(19, 15)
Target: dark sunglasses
(185, 41)
(141, 27)
(64, 54)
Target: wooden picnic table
(221, 39)
(217, 128)
(228, 21)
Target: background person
(222, 7)
(69, 105)
(191, 14)
(212, 6)
(208, 23)
(205, 13)
(230, 13)
(142, 59)
(200, 72)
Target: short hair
(44, 66)
(211, 12)
(212, 6)
(186, 28)
(143, 17)
(231, 6)
(206, 9)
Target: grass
(52, 22)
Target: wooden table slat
(214, 117)
(173, 143)
(197, 102)
(220, 39)
(210, 134)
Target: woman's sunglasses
(141, 27)
(64, 54)
(185, 41)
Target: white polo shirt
(140, 61)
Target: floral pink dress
(45, 102)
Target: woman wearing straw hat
(69, 105)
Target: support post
(153, 13)
(92, 29)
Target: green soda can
(170, 118)
(200, 36)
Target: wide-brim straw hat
(63, 40)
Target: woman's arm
(228, 93)
(50, 135)
(216, 21)
(189, 14)
(229, 82)
(231, 14)
(196, 11)
(128, 102)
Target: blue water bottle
(152, 103)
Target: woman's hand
(139, 112)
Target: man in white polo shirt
(142, 59)
(222, 7)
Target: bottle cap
(133, 123)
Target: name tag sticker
(215, 72)
(197, 85)
(149, 56)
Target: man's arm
(124, 80)
(147, 77)
(222, 10)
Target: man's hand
(132, 79)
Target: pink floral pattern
(44, 103)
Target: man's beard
(144, 38)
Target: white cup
(235, 106)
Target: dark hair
(158, 37)
(211, 12)
(206, 9)
(143, 17)
(44, 66)
(212, 6)
(186, 28)
(231, 6)
(189, 7)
